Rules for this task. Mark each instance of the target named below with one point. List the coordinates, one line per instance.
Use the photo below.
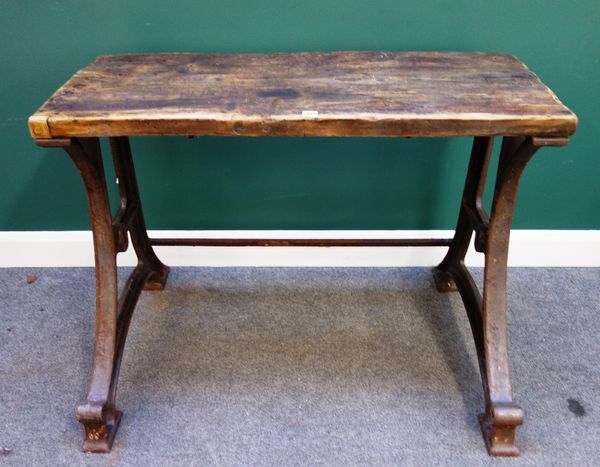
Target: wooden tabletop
(417, 94)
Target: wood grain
(416, 94)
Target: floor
(267, 366)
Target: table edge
(43, 126)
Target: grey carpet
(299, 367)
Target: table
(394, 94)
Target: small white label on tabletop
(310, 113)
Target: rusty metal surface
(132, 218)
(487, 313)
(98, 412)
(323, 242)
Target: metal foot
(444, 282)
(157, 279)
(499, 429)
(99, 434)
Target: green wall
(295, 183)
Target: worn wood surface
(304, 94)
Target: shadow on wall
(269, 183)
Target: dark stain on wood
(283, 93)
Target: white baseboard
(529, 248)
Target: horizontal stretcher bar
(323, 242)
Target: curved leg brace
(131, 218)
(487, 315)
(472, 216)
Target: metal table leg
(98, 412)
(488, 315)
